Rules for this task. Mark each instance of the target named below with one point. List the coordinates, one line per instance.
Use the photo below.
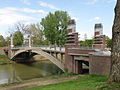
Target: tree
(108, 42)
(55, 27)
(115, 63)
(35, 31)
(86, 43)
(19, 26)
(18, 38)
(7, 40)
(2, 41)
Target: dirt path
(39, 83)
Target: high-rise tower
(71, 26)
(99, 38)
(72, 35)
(98, 29)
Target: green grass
(67, 74)
(107, 86)
(4, 60)
(3, 56)
(89, 82)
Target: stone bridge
(28, 52)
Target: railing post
(60, 47)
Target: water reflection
(16, 72)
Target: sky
(86, 13)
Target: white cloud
(11, 15)
(92, 2)
(44, 4)
(94, 19)
(26, 2)
(26, 10)
(8, 17)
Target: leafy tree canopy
(86, 43)
(2, 41)
(55, 27)
(18, 38)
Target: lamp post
(29, 38)
(11, 41)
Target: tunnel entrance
(81, 67)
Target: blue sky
(85, 12)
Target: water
(10, 73)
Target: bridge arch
(42, 53)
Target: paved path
(40, 83)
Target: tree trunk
(115, 63)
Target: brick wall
(4, 51)
(69, 60)
(80, 51)
(99, 65)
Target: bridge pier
(61, 56)
(56, 55)
(78, 67)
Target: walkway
(40, 83)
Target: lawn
(3, 56)
(88, 82)
(4, 60)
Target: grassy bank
(89, 82)
(4, 60)
(39, 79)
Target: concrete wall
(99, 64)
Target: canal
(14, 72)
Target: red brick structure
(99, 38)
(4, 51)
(74, 55)
(99, 63)
(72, 41)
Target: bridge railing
(56, 48)
(46, 47)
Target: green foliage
(55, 27)
(108, 86)
(7, 40)
(36, 33)
(86, 43)
(109, 42)
(3, 56)
(67, 74)
(18, 38)
(4, 60)
(2, 41)
(88, 82)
